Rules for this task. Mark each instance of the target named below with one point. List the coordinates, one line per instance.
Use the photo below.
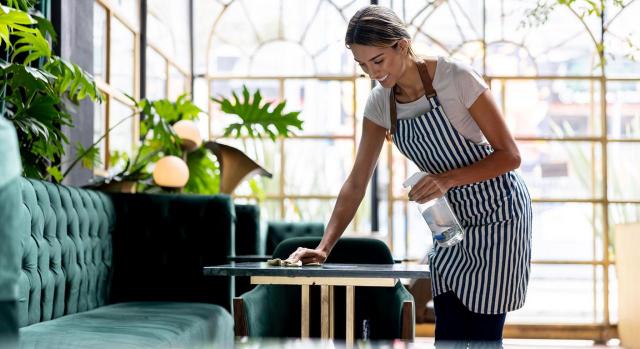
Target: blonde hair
(376, 26)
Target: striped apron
(489, 269)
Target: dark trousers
(458, 327)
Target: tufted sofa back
(66, 249)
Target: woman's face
(384, 64)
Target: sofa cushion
(278, 231)
(161, 243)
(135, 325)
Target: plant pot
(628, 272)
(119, 187)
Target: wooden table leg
(350, 314)
(325, 315)
(304, 312)
(332, 312)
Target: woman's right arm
(351, 194)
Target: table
(326, 276)
(265, 257)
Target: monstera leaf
(256, 118)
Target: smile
(383, 78)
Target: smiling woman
(451, 129)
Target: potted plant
(37, 89)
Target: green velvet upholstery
(10, 169)
(162, 242)
(274, 310)
(278, 231)
(83, 250)
(65, 236)
(136, 325)
(248, 240)
(81, 268)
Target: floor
(511, 343)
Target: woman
(440, 114)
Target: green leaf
(55, 173)
(72, 81)
(204, 173)
(23, 5)
(90, 157)
(32, 42)
(255, 118)
(46, 28)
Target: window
(116, 38)
(117, 64)
(168, 49)
(242, 43)
(577, 124)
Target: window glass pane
(206, 14)
(250, 33)
(623, 175)
(270, 210)
(623, 109)
(561, 47)
(121, 137)
(201, 99)
(310, 210)
(129, 9)
(550, 108)
(330, 114)
(156, 75)
(122, 57)
(168, 28)
(317, 167)
(99, 129)
(559, 294)
(567, 231)
(569, 170)
(613, 296)
(295, 62)
(99, 41)
(449, 28)
(178, 83)
(269, 89)
(622, 40)
(623, 213)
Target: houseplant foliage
(158, 139)
(257, 119)
(37, 88)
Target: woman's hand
(308, 255)
(430, 187)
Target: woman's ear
(403, 46)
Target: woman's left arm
(505, 157)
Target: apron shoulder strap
(427, 84)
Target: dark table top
(265, 257)
(410, 271)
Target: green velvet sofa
(84, 269)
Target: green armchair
(274, 310)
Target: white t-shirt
(457, 86)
